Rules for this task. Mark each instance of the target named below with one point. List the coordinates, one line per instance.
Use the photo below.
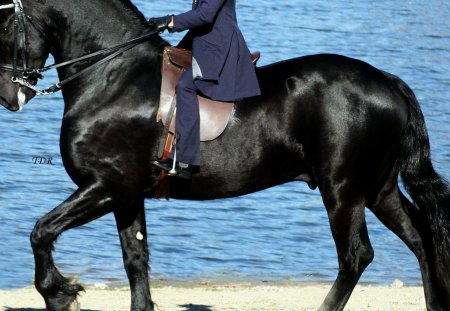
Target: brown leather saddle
(214, 115)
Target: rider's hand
(160, 23)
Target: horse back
(317, 116)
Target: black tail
(429, 191)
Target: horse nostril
(5, 103)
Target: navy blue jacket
(222, 64)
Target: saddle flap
(214, 117)
(179, 57)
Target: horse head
(23, 48)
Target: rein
(20, 19)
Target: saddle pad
(214, 115)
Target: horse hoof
(74, 306)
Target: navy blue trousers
(187, 120)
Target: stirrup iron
(173, 171)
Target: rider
(221, 70)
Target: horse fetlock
(59, 293)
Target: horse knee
(41, 236)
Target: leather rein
(21, 40)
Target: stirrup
(173, 171)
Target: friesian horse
(335, 122)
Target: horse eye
(4, 29)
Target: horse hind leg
(353, 246)
(395, 211)
(80, 208)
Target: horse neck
(80, 27)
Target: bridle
(20, 38)
(30, 74)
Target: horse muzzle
(17, 98)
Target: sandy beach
(203, 296)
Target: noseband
(28, 74)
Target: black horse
(335, 122)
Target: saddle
(214, 115)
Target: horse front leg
(133, 239)
(353, 246)
(80, 208)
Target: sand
(240, 296)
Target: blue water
(278, 234)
